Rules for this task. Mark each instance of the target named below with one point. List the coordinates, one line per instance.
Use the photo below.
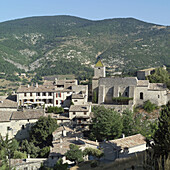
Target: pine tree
(162, 135)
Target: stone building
(57, 93)
(18, 123)
(121, 93)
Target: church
(123, 93)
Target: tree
(158, 157)
(162, 135)
(41, 132)
(74, 154)
(55, 109)
(128, 122)
(160, 76)
(7, 149)
(60, 166)
(106, 124)
(30, 148)
(93, 152)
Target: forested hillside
(70, 45)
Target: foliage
(93, 152)
(44, 152)
(149, 107)
(8, 148)
(60, 166)
(19, 155)
(162, 135)
(128, 39)
(106, 124)
(41, 132)
(30, 148)
(74, 154)
(95, 96)
(128, 122)
(160, 76)
(121, 99)
(158, 156)
(55, 109)
(94, 164)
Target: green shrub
(94, 164)
(149, 107)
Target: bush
(149, 107)
(94, 164)
(19, 155)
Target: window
(74, 113)
(85, 113)
(50, 94)
(30, 94)
(37, 94)
(141, 95)
(31, 100)
(23, 127)
(50, 101)
(45, 101)
(75, 100)
(158, 96)
(56, 102)
(126, 93)
(25, 94)
(44, 94)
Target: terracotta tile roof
(27, 114)
(5, 116)
(130, 141)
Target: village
(20, 111)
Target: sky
(153, 11)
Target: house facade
(57, 93)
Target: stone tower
(99, 71)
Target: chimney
(61, 140)
(28, 85)
(64, 133)
(36, 84)
(123, 135)
(96, 142)
(77, 138)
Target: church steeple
(99, 64)
(99, 70)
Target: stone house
(62, 138)
(123, 147)
(56, 93)
(8, 103)
(125, 92)
(17, 124)
(80, 115)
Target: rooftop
(148, 69)
(130, 141)
(7, 102)
(99, 64)
(27, 114)
(79, 108)
(5, 116)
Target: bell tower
(99, 71)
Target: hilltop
(70, 45)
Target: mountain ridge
(46, 44)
